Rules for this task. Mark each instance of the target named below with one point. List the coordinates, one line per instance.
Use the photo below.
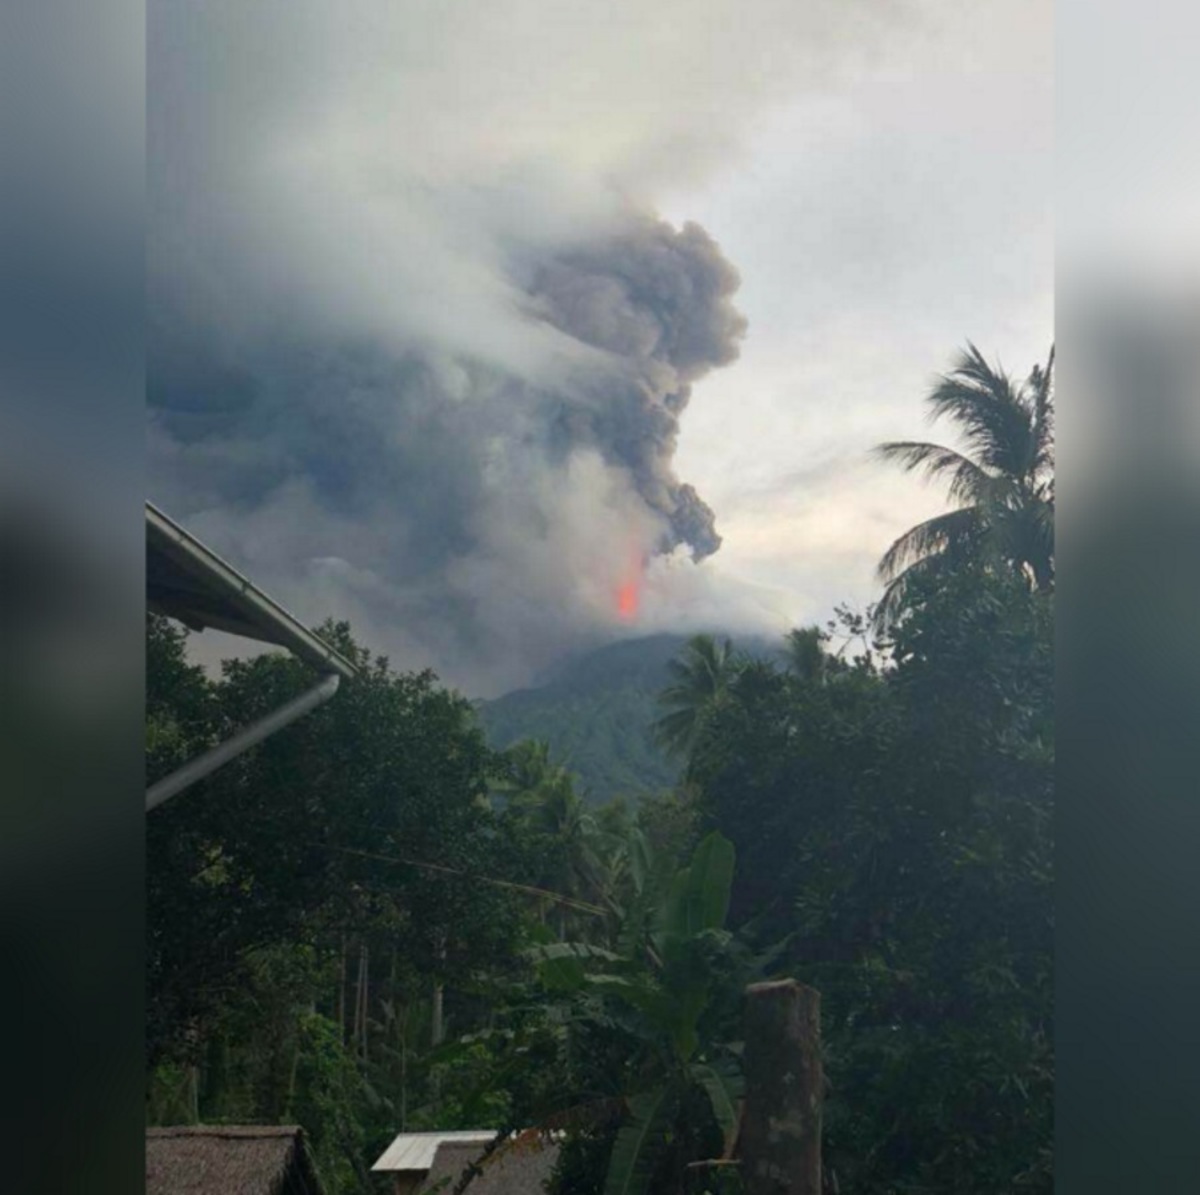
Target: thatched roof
(521, 1168)
(228, 1160)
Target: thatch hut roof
(229, 1160)
(518, 1169)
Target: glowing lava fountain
(629, 592)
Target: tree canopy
(374, 922)
(1002, 482)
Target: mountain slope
(596, 714)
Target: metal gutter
(195, 586)
(231, 748)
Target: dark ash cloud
(660, 301)
(462, 513)
(420, 348)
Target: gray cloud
(419, 345)
(374, 476)
(659, 300)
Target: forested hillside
(596, 715)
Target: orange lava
(627, 601)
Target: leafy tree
(312, 904)
(806, 653)
(1003, 482)
(180, 703)
(671, 823)
(371, 811)
(780, 765)
(559, 835)
(893, 827)
(647, 1022)
(700, 676)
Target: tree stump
(781, 1127)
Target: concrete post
(781, 1127)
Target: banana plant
(675, 970)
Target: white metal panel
(416, 1151)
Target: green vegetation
(376, 922)
(700, 680)
(1003, 482)
(666, 996)
(595, 715)
(893, 828)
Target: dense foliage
(597, 714)
(374, 923)
(894, 827)
(309, 903)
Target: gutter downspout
(215, 757)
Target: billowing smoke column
(463, 513)
(659, 300)
(419, 348)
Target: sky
(878, 223)
(503, 329)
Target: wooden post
(365, 997)
(341, 996)
(438, 1027)
(781, 1126)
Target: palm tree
(805, 648)
(1003, 482)
(699, 676)
(542, 796)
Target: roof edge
(279, 627)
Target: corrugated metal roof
(416, 1151)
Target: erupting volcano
(383, 448)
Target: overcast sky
(877, 223)
(393, 244)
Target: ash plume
(659, 301)
(419, 346)
(425, 493)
